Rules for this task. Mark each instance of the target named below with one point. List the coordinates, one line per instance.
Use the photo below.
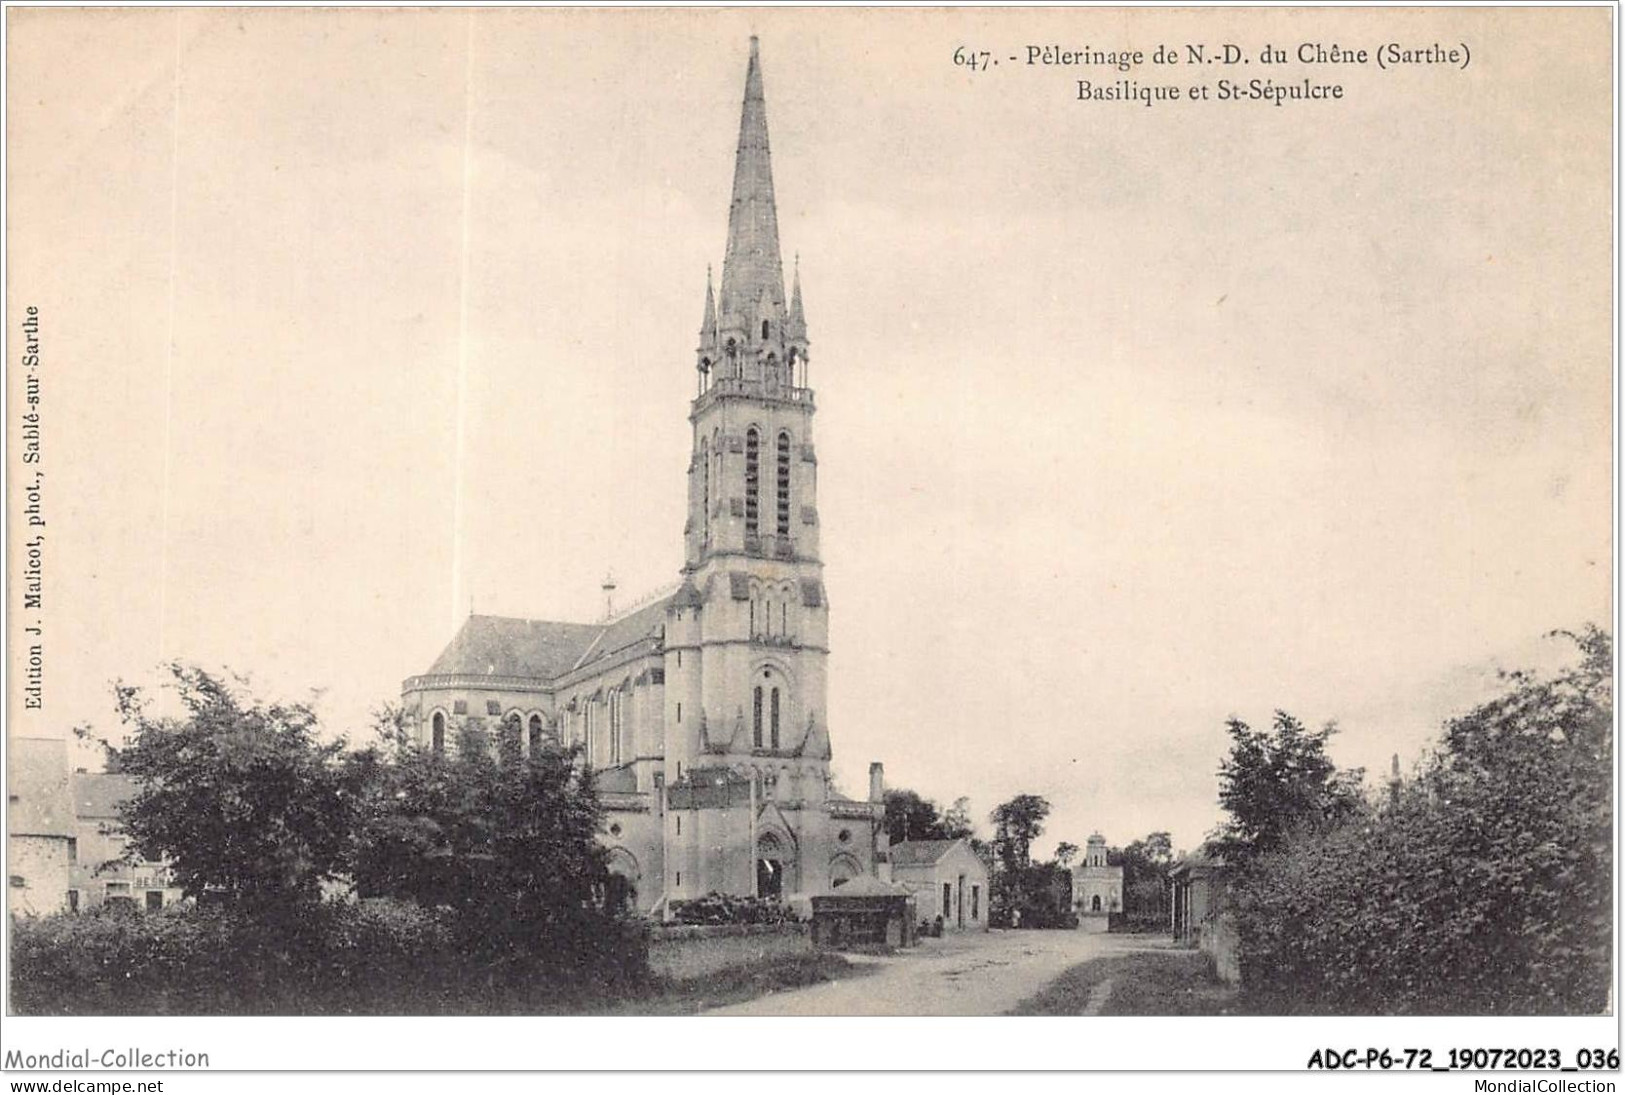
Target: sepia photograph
(549, 514)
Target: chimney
(877, 782)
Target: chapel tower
(747, 639)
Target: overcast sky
(1130, 418)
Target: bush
(1046, 917)
(721, 908)
(1483, 887)
(379, 956)
(1137, 922)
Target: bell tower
(750, 619)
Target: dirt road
(981, 973)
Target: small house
(947, 880)
(100, 875)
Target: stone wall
(38, 875)
(685, 952)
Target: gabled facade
(98, 876)
(39, 827)
(1097, 888)
(704, 711)
(947, 878)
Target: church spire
(796, 326)
(752, 271)
(708, 322)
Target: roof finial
(608, 587)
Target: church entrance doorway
(772, 864)
(769, 878)
(620, 894)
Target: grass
(737, 984)
(1152, 983)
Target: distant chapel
(704, 712)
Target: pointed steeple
(708, 323)
(751, 267)
(796, 326)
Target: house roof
(619, 779)
(509, 647)
(98, 794)
(37, 788)
(644, 623)
(867, 885)
(506, 646)
(920, 853)
(1197, 862)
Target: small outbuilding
(1196, 885)
(864, 911)
(1200, 914)
(947, 880)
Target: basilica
(702, 713)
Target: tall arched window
(536, 733)
(716, 454)
(586, 725)
(439, 741)
(774, 725)
(764, 328)
(752, 472)
(756, 720)
(705, 496)
(615, 719)
(784, 484)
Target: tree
(957, 823)
(1017, 824)
(1065, 853)
(912, 816)
(1146, 863)
(1273, 784)
(508, 842)
(238, 796)
(1156, 848)
(1519, 805)
(1482, 886)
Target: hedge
(378, 956)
